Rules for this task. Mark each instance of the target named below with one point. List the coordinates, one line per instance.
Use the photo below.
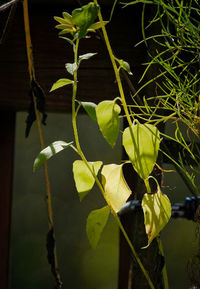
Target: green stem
(134, 252)
(164, 271)
(80, 152)
(147, 185)
(117, 75)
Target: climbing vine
(176, 99)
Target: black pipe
(185, 210)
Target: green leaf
(71, 67)
(86, 56)
(67, 17)
(90, 108)
(84, 17)
(97, 25)
(96, 222)
(60, 20)
(60, 83)
(83, 178)
(63, 26)
(68, 40)
(50, 151)
(157, 212)
(108, 120)
(124, 64)
(115, 186)
(65, 31)
(141, 143)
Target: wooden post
(7, 132)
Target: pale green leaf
(63, 26)
(97, 25)
(84, 17)
(60, 83)
(67, 16)
(141, 143)
(115, 186)
(124, 64)
(50, 151)
(71, 67)
(67, 19)
(65, 31)
(84, 180)
(96, 222)
(108, 120)
(60, 20)
(157, 212)
(90, 108)
(86, 56)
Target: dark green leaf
(84, 17)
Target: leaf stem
(147, 185)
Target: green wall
(80, 266)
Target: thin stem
(80, 152)
(41, 138)
(164, 271)
(147, 185)
(117, 75)
(134, 252)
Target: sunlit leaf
(108, 120)
(65, 31)
(60, 20)
(63, 26)
(96, 222)
(67, 16)
(84, 17)
(97, 25)
(157, 212)
(141, 143)
(50, 151)
(115, 186)
(71, 67)
(60, 83)
(83, 177)
(90, 108)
